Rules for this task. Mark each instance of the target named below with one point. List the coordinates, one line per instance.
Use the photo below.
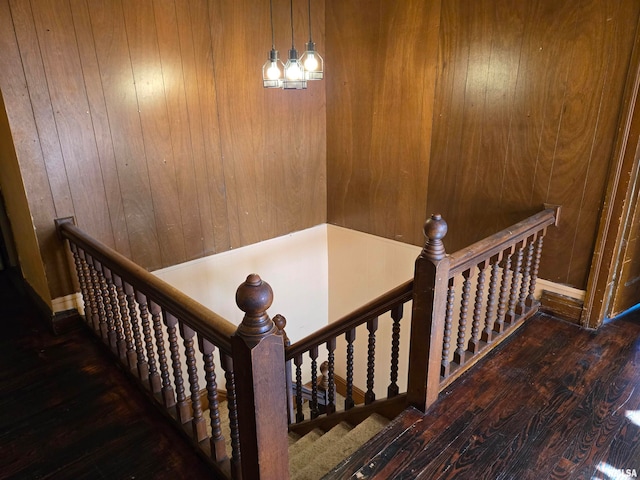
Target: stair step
(375, 446)
(304, 442)
(305, 455)
(320, 457)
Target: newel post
(258, 360)
(427, 319)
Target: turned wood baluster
(281, 323)
(526, 276)
(154, 379)
(259, 362)
(91, 314)
(313, 405)
(427, 316)
(351, 337)
(130, 352)
(396, 316)
(515, 282)
(474, 341)
(218, 450)
(372, 326)
(168, 397)
(141, 362)
(498, 326)
(297, 361)
(109, 323)
(198, 424)
(101, 324)
(331, 401)
(459, 355)
(82, 280)
(232, 405)
(448, 320)
(118, 344)
(531, 300)
(487, 332)
(182, 407)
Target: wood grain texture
(68, 412)
(154, 130)
(550, 99)
(551, 403)
(379, 122)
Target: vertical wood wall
(525, 111)
(380, 91)
(527, 106)
(147, 121)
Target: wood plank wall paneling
(380, 87)
(147, 121)
(530, 121)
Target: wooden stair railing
(480, 294)
(449, 294)
(154, 331)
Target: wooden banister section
(462, 306)
(374, 308)
(258, 354)
(490, 246)
(212, 325)
(429, 300)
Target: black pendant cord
(273, 37)
(310, 37)
(291, 10)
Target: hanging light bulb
(294, 76)
(272, 69)
(311, 60)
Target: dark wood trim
(172, 300)
(605, 261)
(66, 321)
(470, 256)
(561, 306)
(59, 322)
(341, 388)
(375, 308)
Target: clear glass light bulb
(273, 72)
(311, 62)
(294, 72)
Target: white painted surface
(295, 265)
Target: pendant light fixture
(294, 76)
(272, 69)
(297, 71)
(311, 60)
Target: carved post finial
(435, 228)
(254, 297)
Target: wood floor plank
(550, 403)
(67, 412)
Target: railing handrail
(376, 307)
(470, 256)
(214, 327)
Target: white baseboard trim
(559, 288)
(68, 302)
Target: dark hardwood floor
(66, 412)
(555, 402)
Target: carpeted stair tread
(321, 459)
(304, 442)
(314, 449)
